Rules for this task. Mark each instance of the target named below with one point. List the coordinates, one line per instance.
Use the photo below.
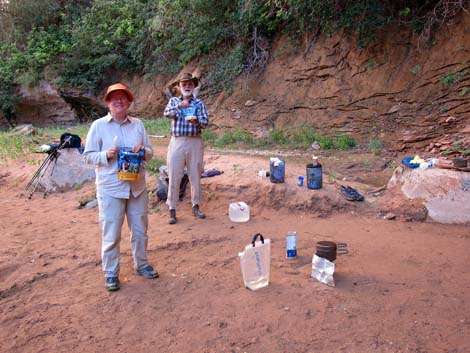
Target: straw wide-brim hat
(118, 87)
(184, 77)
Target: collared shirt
(179, 126)
(101, 136)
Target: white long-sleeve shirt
(100, 137)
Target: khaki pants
(189, 152)
(111, 216)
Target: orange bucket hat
(119, 87)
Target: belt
(197, 136)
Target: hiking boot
(112, 284)
(172, 219)
(197, 212)
(147, 272)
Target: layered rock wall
(405, 95)
(400, 92)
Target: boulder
(70, 171)
(444, 193)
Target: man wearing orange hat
(119, 198)
(188, 116)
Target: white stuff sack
(255, 263)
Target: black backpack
(68, 140)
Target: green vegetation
(17, 146)
(375, 146)
(453, 77)
(414, 70)
(457, 149)
(157, 126)
(235, 137)
(89, 43)
(153, 165)
(224, 70)
(344, 142)
(302, 137)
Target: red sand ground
(404, 287)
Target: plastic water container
(291, 244)
(239, 212)
(277, 170)
(255, 263)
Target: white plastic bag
(255, 263)
(323, 270)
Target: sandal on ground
(350, 193)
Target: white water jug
(239, 212)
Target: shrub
(233, 137)
(303, 137)
(154, 164)
(326, 142)
(344, 142)
(105, 39)
(279, 137)
(452, 78)
(157, 126)
(209, 136)
(414, 70)
(375, 146)
(224, 70)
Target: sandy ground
(404, 286)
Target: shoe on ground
(172, 219)
(197, 212)
(350, 193)
(112, 284)
(147, 272)
(357, 195)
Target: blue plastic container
(277, 170)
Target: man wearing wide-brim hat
(188, 116)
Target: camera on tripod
(67, 140)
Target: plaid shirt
(179, 126)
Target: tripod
(51, 159)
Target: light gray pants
(111, 216)
(189, 152)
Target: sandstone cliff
(407, 95)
